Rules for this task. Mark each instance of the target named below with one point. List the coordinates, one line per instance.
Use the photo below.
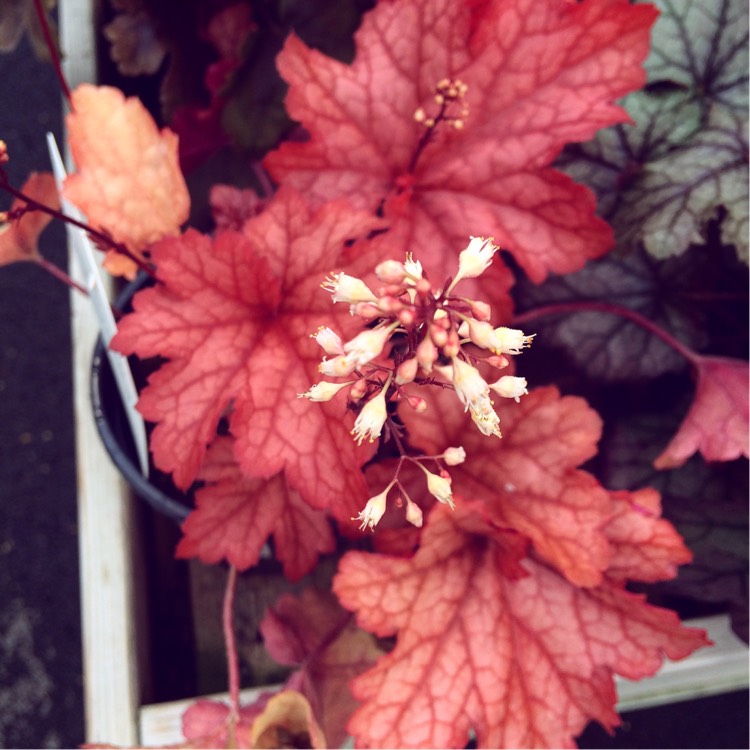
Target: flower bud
(347, 288)
(414, 514)
(480, 310)
(423, 287)
(406, 317)
(338, 367)
(509, 386)
(323, 391)
(453, 345)
(439, 487)
(390, 272)
(454, 456)
(358, 390)
(438, 334)
(365, 310)
(389, 304)
(427, 354)
(368, 344)
(407, 371)
(328, 340)
(417, 403)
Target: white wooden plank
(104, 515)
(710, 671)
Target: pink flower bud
(366, 310)
(407, 316)
(407, 371)
(453, 345)
(454, 456)
(480, 310)
(389, 304)
(498, 361)
(358, 390)
(427, 354)
(390, 272)
(423, 288)
(417, 403)
(438, 334)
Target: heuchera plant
(353, 316)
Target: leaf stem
(230, 642)
(52, 47)
(95, 233)
(60, 275)
(611, 309)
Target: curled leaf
(717, 422)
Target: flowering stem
(612, 309)
(52, 47)
(233, 667)
(60, 275)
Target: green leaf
(607, 347)
(702, 45)
(684, 160)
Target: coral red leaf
(644, 546)
(529, 476)
(313, 633)
(18, 239)
(235, 515)
(523, 663)
(717, 422)
(234, 317)
(128, 181)
(539, 73)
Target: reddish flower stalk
(612, 309)
(233, 667)
(52, 47)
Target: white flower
(509, 386)
(413, 268)
(454, 456)
(474, 260)
(365, 346)
(511, 340)
(338, 367)
(485, 418)
(328, 340)
(347, 288)
(370, 420)
(439, 487)
(323, 391)
(470, 386)
(373, 510)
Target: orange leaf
(523, 661)
(128, 181)
(18, 239)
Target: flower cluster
(417, 336)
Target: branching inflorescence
(437, 338)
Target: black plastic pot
(114, 430)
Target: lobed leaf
(538, 74)
(523, 662)
(128, 184)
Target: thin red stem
(52, 47)
(59, 274)
(230, 642)
(95, 233)
(611, 309)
